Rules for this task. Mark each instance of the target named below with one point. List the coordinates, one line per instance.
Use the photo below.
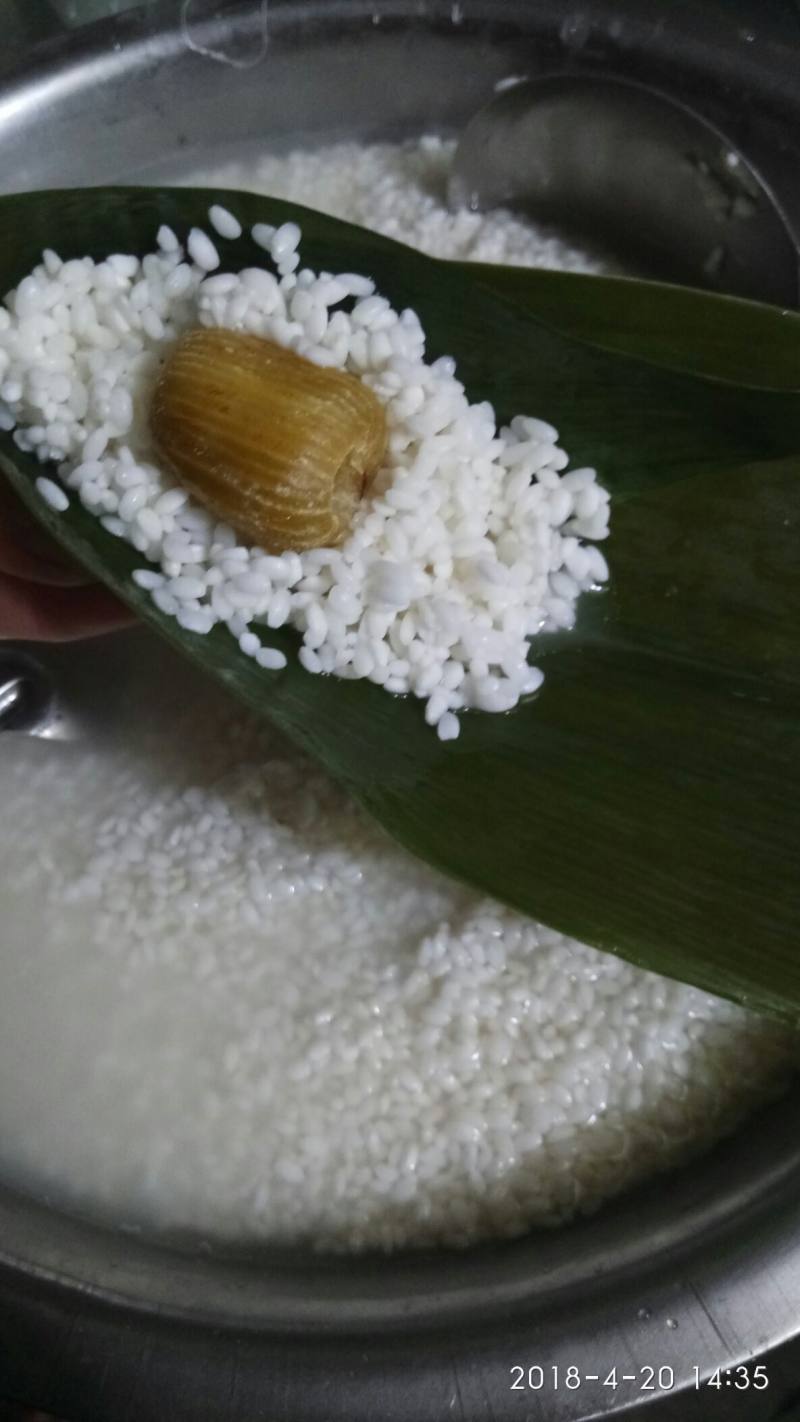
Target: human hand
(43, 597)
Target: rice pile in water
(231, 1005)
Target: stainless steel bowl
(693, 1272)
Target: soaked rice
(228, 1004)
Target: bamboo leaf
(647, 800)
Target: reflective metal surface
(698, 1269)
(29, 702)
(637, 173)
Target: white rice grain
(202, 250)
(224, 222)
(53, 494)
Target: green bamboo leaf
(661, 324)
(647, 800)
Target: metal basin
(696, 1270)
